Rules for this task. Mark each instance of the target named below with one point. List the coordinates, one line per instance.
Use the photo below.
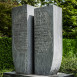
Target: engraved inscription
(43, 35)
(20, 34)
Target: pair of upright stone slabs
(37, 39)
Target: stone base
(14, 74)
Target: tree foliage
(5, 18)
(69, 18)
(30, 2)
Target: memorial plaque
(22, 47)
(47, 39)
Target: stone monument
(37, 41)
(22, 26)
(47, 39)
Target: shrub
(6, 60)
(69, 65)
(69, 60)
(70, 47)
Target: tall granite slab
(22, 47)
(47, 39)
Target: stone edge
(14, 74)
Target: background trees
(5, 17)
(69, 18)
(30, 2)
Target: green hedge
(70, 48)
(6, 60)
(69, 65)
(69, 60)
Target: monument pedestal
(14, 74)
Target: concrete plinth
(14, 74)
